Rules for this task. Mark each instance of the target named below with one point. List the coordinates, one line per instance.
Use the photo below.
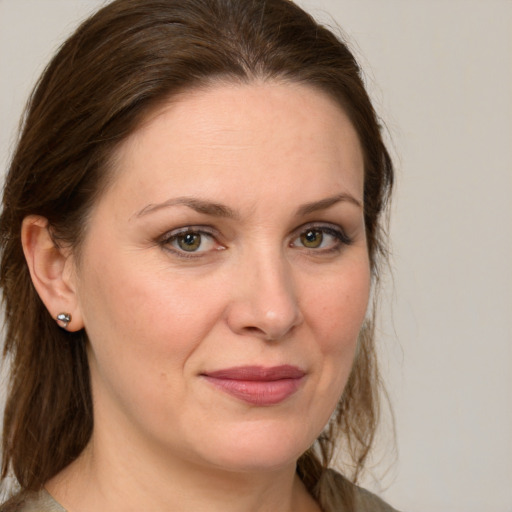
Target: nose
(264, 302)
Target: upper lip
(258, 373)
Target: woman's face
(224, 277)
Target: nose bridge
(265, 300)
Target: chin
(256, 461)
(259, 448)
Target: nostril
(254, 330)
(267, 334)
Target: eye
(323, 238)
(190, 241)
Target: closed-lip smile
(258, 385)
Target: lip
(258, 385)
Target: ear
(51, 269)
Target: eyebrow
(220, 210)
(323, 204)
(199, 205)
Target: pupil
(311, 236)
(190, 239)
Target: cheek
(143, 325)
(337, 306)
(335, 313)
(135, 295)
(140, 318)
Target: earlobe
(49, 267)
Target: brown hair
(117, 67)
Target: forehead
(243, 135)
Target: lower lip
(257, 392)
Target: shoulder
(366, 501)
(32, 502)
(340, 495)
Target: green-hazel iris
(312, 238)
(189, 241)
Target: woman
(190, 233)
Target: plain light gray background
(440, 72)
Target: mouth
(258, 385)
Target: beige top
(364, 501)
(32, 502)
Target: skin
(282, 159)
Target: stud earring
(63, 320)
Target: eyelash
(174, 235)
(340, 237)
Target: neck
(105, 478)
